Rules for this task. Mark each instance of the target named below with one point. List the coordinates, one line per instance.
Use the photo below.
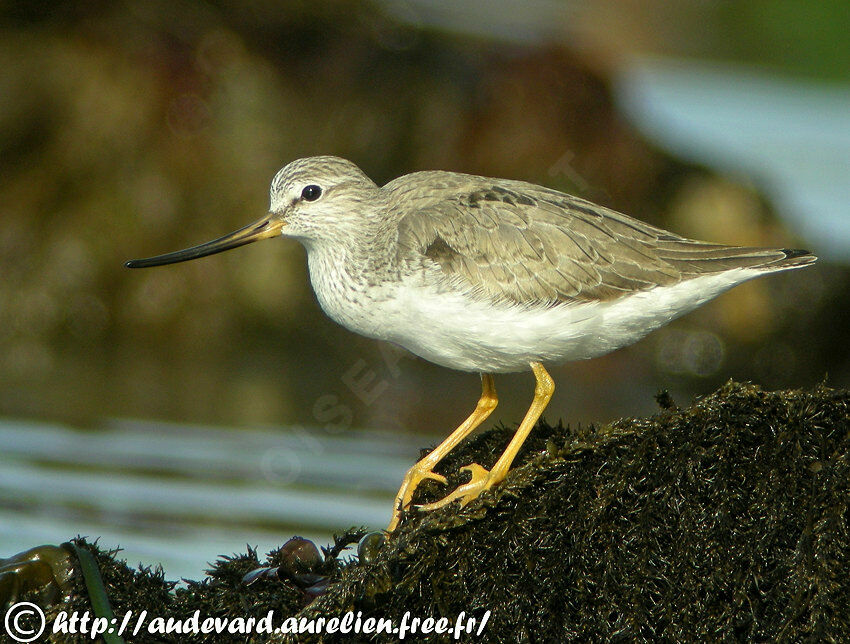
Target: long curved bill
(262, 229)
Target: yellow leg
(482, 479)
(422, 470)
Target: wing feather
(516, 242)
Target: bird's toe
(479, 481)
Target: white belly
(469, 335)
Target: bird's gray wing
(517, 242)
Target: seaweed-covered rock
(724, 521)
(727, 520)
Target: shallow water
(181, 495)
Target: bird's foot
(481, 480)
(415, 475)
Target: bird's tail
(788, 258)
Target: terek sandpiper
(486, 275)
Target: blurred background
(181, 412)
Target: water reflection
(181, 495)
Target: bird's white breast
(353, 303)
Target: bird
(487, 276)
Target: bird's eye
(311, 192)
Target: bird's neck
(353, 259)
(365, 254)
